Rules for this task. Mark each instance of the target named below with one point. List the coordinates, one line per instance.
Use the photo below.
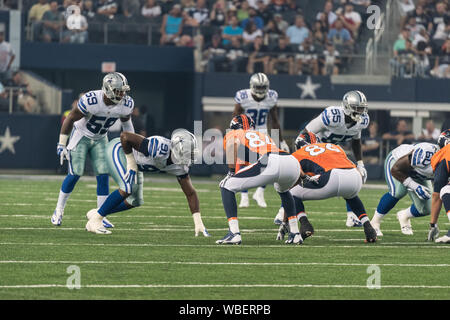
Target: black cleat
(371, 234)
(306, 228)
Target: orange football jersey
(322, 157)
(443, 154)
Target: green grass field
(153, 254)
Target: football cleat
(371, 234)
(352, 220)
(57, 216)
(443, 239)
(405, 223)
(294, 238)
(244, 201)
(258, 196)
(230, 238)
(106, 222)
(282, 231)
(96, 226)
(376, 226)
(278, 220)
(306, 228)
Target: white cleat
(106, 222)
(278, 220)
(352, 220)
(376, 226)
(95, 223)
(405, 223)
(443, 239)
(258, 196)
(244, 201)
(57, 217)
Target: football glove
(284, 146)
(421, 191)
(433, 233)
(311, 179)
(130, 179)
(362, 170)
(62, 152)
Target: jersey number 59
(100, 124)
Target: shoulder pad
(241, 96)
(332, 116)
(272, 94)
(422, 153)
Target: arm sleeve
(440, 176)
(128, 126)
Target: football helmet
(242, 121)
(355, 104)
(115, 86)
(259, 85)
(305, 138)
(444, 138)
(184, 147)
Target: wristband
(131, 163)
(432, 225)
(63, 139)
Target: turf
(153, 254)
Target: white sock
(101, 200)
(244, 195)
(293, 224)
(62, 199)
(408, 213)
(377, 217)
(260, 190)
(233, 223)
(301, 214)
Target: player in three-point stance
(408, 171)
(90, 120)
(337, 125)
(329, 173)
(441, 191)
(274, 166)
(132, 154)
(259, 103)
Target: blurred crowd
(423, 46)
(274, 36)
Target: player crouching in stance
(274, 166)
(133, 154)
(327, 173)
(441, 167)
(408, 171)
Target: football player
(408, 171)
(88, 123)
(337, 125)
(440, 163)
(259, 103)
(273, 166)
(132, 154)
(329, 173)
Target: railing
(11, 92)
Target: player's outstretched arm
(194, 204)
(61, 149)
(127, 124)
(129, 142)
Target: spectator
(185, 41)
(131, 8)
(218, 13)
(200, 12)
(263, 12)
(330, 61)
(271, 33)
(298, 32)
(442, 62)
(37, 11)
(437, 17)
(243, 12)
(7, 57)
(78, 26)
(406, 7)
(52, 23)
(235, 55)
(25, 99)
(318, 33)
(277, 6)
(400, 43)
(351, 20)
(88, 9)
(400, 135)
(282, 60)
(292, 6)
(413, 27)
(187, 5)
(233, 30)
(281, 24)
(150, 9)
(430, 133)
(171, 26)
(258, 54)
(251, 32)
(371, 145)
(421, 17)
(404, 62)
(307, 59)
(4, 100)
(423, 62)
(214, 53)
(252, 17)
(107, 8)
(327, 14)
(442, 32)
(339, 36)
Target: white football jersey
(421, 154)
(158, 157)
(257, 110)
(330, 126)
(98, 117)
